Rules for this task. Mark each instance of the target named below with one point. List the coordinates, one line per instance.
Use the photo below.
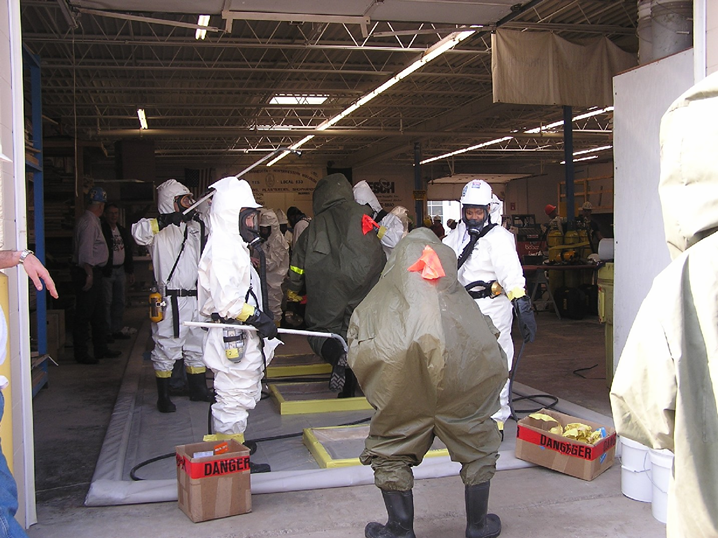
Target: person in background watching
(118, 271)
(8, 488)
(90, 257)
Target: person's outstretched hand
(38, 274)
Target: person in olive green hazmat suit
(336, 263)
(665, 391)
(430, 363)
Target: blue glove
(525, 318)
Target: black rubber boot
(479, 524)
(400, 507)
(198, 391)
(164, 404)
(350, 385)
(333, 353)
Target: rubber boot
(164, 404)
(350, 385)
(198, 391)
(333, 353)
(479, 524)
(400, 507)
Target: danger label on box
(203, 469)
(577, 450)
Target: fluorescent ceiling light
(439, 48)
(530, 131)
(280, 127)
(143, 118)
(592, 150)
(583, 159)
(202, 21)
(576, 118)
(477, 146)
(299, 99)
(585, 151)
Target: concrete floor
(71, 417)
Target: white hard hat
(476, 192)
(587, 206)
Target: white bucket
(635, 471)
(661, 470)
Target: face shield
(475, 217)
(249, 225)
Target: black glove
(525, 318)
(332, 351)
(165, 219)
(264, 324)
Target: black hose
(255, 441)
(553, 399)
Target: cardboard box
(216, 486)
(536, 444)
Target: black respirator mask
(249, 225)
(184, 202)
(265, 232)
(475, 225)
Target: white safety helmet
(476, 193)
(364, 195)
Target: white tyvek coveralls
(494, 258)
(225, 276)
(164, 247)
(276, 252)
(394, 228)
(665, 391)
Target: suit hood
(689, 176)
(331, 190)
(166, 193)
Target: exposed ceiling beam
(149, 20)
(224, 42)
(191, 132)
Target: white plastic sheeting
(138, 432)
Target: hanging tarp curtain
(540, 68)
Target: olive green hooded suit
(333, 260)
(665, 391)
(429, 362)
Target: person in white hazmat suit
(489, 265)
(391, 229)
(175, 242)
(665, 390)
(284, 225)
(276, 252)
(230, 292)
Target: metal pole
(239, 176)
(250, 328)
(568, 157)
(418, 204)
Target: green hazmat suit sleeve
(429, 364)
